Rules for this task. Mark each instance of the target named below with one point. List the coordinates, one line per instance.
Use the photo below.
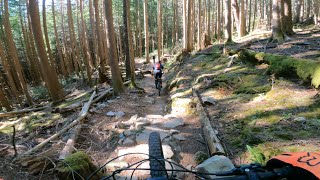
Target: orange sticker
(309, 161)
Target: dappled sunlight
(181, 106)
(29, 122)
(181, 93)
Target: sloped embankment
(251, 107)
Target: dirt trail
(107, 137)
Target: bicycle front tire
(157, 164)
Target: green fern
(256, 155)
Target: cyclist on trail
(157, 70)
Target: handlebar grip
(275, 173)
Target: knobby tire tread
(155, 150)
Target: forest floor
(270, 114)
(115, 126)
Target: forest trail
(144, 113)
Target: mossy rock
(200, 156)
(77, 166)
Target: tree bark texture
(159, 29)
(277, 33)
(117, 82)
(146, 31)
(12, 52)
(50, 77)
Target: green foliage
(256, 155)
(76, 165)
(307, 70)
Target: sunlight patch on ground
(181, 106)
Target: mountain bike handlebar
(252, 175)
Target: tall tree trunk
(38, 74)
(113, 60)
(64, 44)
(316, 11)
(270, 15)
(298, 11)
(173, 38)
(227, 15)
(146, 31)
(242, 24)
(103, 59)
(45, 31)
(139, 30)
(93, 36)
(6, 67)
(236, 14)
(189, 37)
(287, 24)
(159, 29)
(86, 52)
(249, 17)
(277, 33)
(50, 77)
(208, 23)
(12, 51)
(62, 64)
(72, 37)
(308, 4)
(219, 20)
(254, 14)
(184, 16)
(199, 24)
(128, 45)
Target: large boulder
(215, 164)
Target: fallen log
(210, 135)
(12, 113)
(69, 147)
(82, 115)
(105, 93)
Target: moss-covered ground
(271, 114)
